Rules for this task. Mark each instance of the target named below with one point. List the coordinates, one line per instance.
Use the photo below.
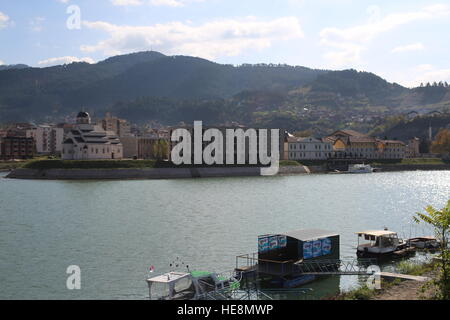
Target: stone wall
(157, 173)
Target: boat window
(388, 242)
(183, 284)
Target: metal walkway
(250, 263)
(336, 267)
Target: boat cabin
(377, 242)
(194, 285)
(171, 286)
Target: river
(114, 230)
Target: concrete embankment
(180, 173)
(156, 173)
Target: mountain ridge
(263, 94)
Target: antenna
(177, 263)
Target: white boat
(194, 285)
(380, 242)
(360, 168)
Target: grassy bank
(412, 161)
(289, 163)
(90, 164)
(120, 164)
(309, 163)
(404, 267)
(8, 165)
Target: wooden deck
(404, 276)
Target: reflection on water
(114, 230)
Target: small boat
(195, 285)
(424, 243)
(378, 243)
(360, 168)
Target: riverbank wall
(119, 174)
(186, 173)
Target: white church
(86, 141)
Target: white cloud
(424, 67)
(434, 75)
(1, 63)
(422, 73)
(127, 2)
(63, 60)
(225, 37)
(167, 3)
(410, 47)
(4, 20)
(348, 43)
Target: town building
(14, 143)
(309, 148)
(412, 149)
(48, 139)
(119, 126)
(145, 147)
(16, 147)
(353, 144)
(390, 149)
(86, 141)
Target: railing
(250, 262)
(266, 266)
(226, 292)
(336, 267)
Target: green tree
(442, 142)
(160, 149)
(440, 220)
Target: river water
(114, 230)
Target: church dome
(83, 118)
(83, 114)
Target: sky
(403, 41)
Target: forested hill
(148, 86)
(35, 92)
(13, 66)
